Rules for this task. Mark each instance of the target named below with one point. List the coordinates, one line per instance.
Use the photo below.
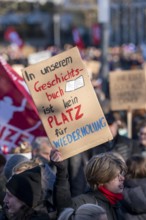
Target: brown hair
(103, 168)
(136, 167)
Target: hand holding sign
(55, 155)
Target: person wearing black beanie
(26, 186)
(23, 193)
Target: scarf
(112, 197)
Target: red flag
(77, 38)
(19, 119)
(12, 36)
(96, 34)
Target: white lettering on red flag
(19, 119)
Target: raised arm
(62, 194)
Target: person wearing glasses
(142, 139)
(105, 174)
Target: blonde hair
(136, 167)
(24, 166)
(84, 212)
(103, 168)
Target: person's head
(41, 146)
(142, 134)
(106, 170)
(112, 123)
(136, 167)
(12, 162)
(47, 175)
(23, 189)
(84, 212)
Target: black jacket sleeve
(61, 193)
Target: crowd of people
(106, 182)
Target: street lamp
(56, 20)
(104, 20)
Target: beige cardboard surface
(93, 67)
(18, 68)
(127, 89)
(67, 103)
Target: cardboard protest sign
(67, 103)
(127, 89)
(19, 119)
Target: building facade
(42, 18)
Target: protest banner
(127, 89)
(67, 103)
(19, 119)
(127, 92)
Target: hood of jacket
(135, 196)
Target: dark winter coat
(47, 179)
(76, 173)
(25, 214)
(62, 197)
(125, 146)
(140, 149)
(2, 188)
(135, 199)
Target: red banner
(19, 119)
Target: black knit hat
(26, 186)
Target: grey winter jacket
(135, 199)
